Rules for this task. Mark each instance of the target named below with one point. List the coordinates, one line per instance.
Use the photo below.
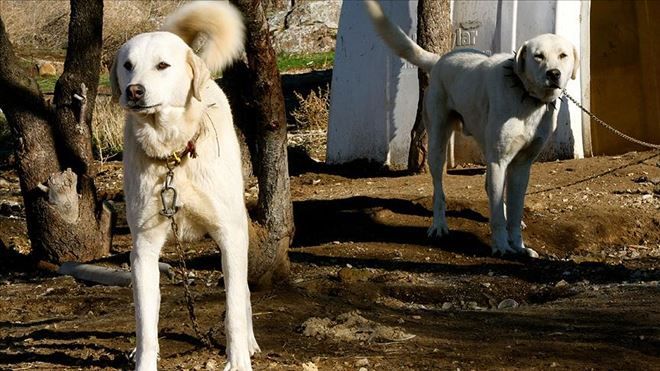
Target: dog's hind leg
(146, 294)
(439, 128)
(232, 238)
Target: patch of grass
(104, 80)
(317, 61)
(47, 83)
(107, 128)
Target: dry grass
(313, 110)
(311, 118)
(40, 27)
(107, 128)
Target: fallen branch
(104, 275)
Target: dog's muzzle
(553, 77)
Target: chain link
(190, 299)
(608, 127)
(169, 210)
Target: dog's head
(544, 64)
(155, 71)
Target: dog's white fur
(179, 101)
(475, 92)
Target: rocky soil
(368, 291)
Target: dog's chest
(152, 193)
(528, 134)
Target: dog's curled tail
(397, 40)
(219, 21)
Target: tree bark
(434, 35)
(255, 92)
(64, 218)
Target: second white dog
(506, 102)
(178, 119)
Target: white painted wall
(374, 93)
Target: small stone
(211, 365)
(447, 305)
(309, 366)
(507, 304)
(561, 283)
(486, 284)
(416, 317)
(348, 275)
(362, 362)
(362, 369)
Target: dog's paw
(238, 365)
(437, 231)
(253, 346)
(502, 249)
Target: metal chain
(169, 211)
(610, 128)
(190, 299)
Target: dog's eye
(162, 65)
(538, 57)
(128, 65)
(562, 55)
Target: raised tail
(397, 40)
(219, 21)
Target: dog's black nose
(553, 75)
(135, 92)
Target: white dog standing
(506, 102)
(174, 109)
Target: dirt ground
(368, 291)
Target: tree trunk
(255, 92)
(64, 218)
(434, 35)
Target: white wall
(374, 93)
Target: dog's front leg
(516, 185)
(146, 295)
(495, 177)
(232, 238)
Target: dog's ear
(521, 56)
(576, 62)
(200, 74)
(114, 82)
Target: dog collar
(517, 82)
(190, 149)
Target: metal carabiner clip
(168, 188)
